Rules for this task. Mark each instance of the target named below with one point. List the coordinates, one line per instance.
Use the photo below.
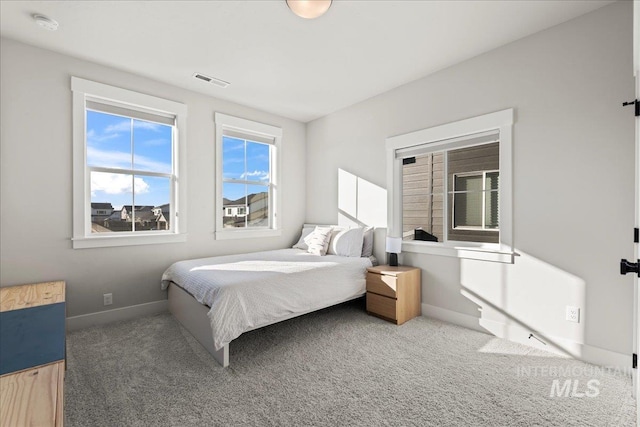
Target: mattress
(248, 291)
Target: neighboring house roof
(141, 215)
(257, 196)
(115, 216)
(251, 198)
(165, 209)
(101, 206)
(145, 215)
(100, 217)
(138, 208)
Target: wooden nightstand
(393, 293)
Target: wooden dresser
(32, 354)
(393, 293)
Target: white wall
(573, 181)
(35, 188)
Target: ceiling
(276, 61)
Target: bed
(218, 298)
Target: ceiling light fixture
(309, 9)
(46, 23)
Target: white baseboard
(466, 320)
(516, 333)
(117, 314)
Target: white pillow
(318, 240)
(367, 244)
(305, 232)
(335, 229)
(346, 242)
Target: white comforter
(252, 290)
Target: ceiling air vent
(211, 80)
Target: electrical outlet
(573, 314)
(108, 299)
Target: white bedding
(248, 291)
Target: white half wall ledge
(100, 318)
(560, 346)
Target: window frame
(262, 131)
(445, 137)
(453, 192)
(241, 211)
(89, 91)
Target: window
(128, 150)
(450, 188)
(475, 201)
(247, 171)
(246, 181)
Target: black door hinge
(637, 104)
(636, 235)
(634, 364)
(629, 267)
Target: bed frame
(193, 315)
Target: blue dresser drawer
(31, 337)
(32, 325)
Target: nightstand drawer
(382, 306)
(382, 284)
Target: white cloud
(256, 175)
(125, 126)
(122, 160)
(156, 127)
(93, 137)
(108, 159)
(113, 183)
(145, 163)
(115, 131)
(230, 148)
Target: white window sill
(486, 252)
(227, 234)
(103, 241)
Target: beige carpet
(336, 367)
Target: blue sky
(244, 160)
(109, 144)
